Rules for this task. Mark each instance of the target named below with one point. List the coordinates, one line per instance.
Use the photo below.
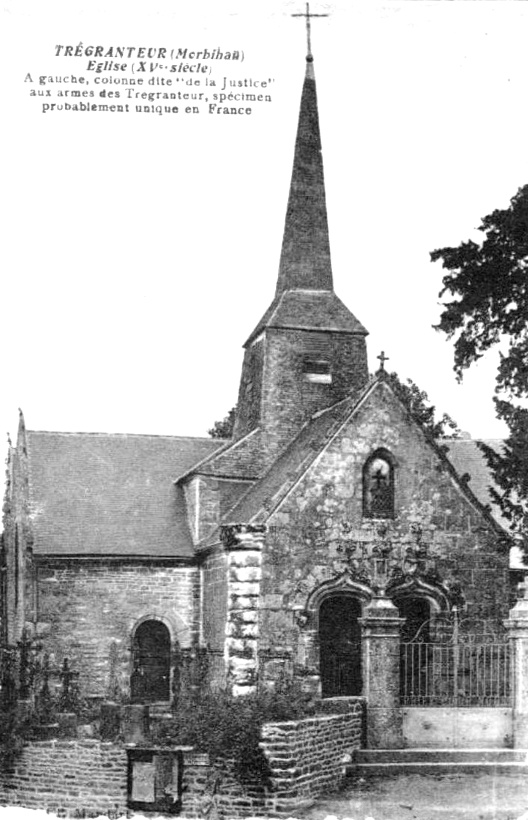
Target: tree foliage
(417, 402)
(488, 283)
(224, 428)
(228, 727)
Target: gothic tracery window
(378, 485)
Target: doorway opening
(340, 646)
(150, 680)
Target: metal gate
(461, 663)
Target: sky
(140, 250)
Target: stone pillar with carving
(381, 627)
(517, 626)
(243, 545)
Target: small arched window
(378, 485)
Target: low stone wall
(84, 777)
(209, 789)
(307, 757)
(89, 777)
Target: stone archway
(416, 609)
(340, 645)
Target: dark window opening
(318, 371)
(378, 486)
(340, 646)
(150, 679)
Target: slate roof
(114, 495)
(309, 310)
(240, 459)
(466, 457)
(305, 256)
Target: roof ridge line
(221, 450)
(119, 435)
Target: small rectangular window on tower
(317, 371)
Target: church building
(262, 553)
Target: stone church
(265, 552)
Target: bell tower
(308, 351)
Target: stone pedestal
(67, 724)
(381, 627)
(517, 626)
(110, 720)
(136, 723)
(243, 545)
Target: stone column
(517, 626)
(381, 627)
(243, 545)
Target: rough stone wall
(288, 400)
(214, 614)
(305, 548)
(307, 757)
(273, 391)
(86, 777)
(208, 498)
(244, 556)
(250, 390)
(89, 777)
(209, 789)
(88, 610)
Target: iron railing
(457, 669)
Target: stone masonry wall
(76, 776)
(214, 613)
(305, 551)
(87, 611)
(89, 777)
(209, 789)
(306, 757)
(288, 400)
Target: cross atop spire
(308, 16)
(305, 296)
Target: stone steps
(375, 762)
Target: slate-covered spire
(308, 351)
(305, 257)
(304, 296)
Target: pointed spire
(304, 296)
(305, 258)
(281, 385)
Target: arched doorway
(415, 648)
(150, 679)
(340, 646)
